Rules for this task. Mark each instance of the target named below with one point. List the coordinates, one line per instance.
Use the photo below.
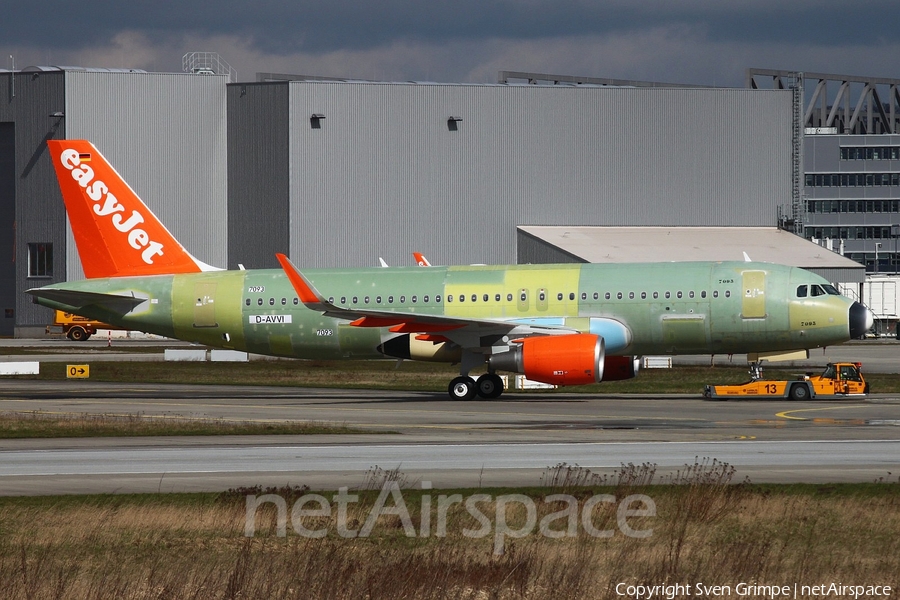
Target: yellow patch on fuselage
(512, 292)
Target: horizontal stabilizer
(77, 299)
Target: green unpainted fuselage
(667, 308)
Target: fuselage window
(643, 295)
(728, 293)
(437, 299)
(296, 301)
(425, 299)
(449, 297)
(390, 299)
(355, 299)
(462, 297)
(678, 294)
(801, 291)
(606, 296)
(260, 301)
(247, 301)
(523, 297)
(703, 294)
(619, 295)
(496, 297)
(715, 293)
(571, 295)
(559, 296)
(330, 299)
(584, 295)
(509, 297)
(474, 297)
(415, 299)
(691, 294)
(343, 299)
(271, 301)
(655, 295)
(596, 296)
(631, 295)
(668, 295)
(366, 300)
(542, 296)
(284, 301)
(377, 299)
(402, 299)
(485, 297)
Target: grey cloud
(284, 26)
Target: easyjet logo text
(107, 205)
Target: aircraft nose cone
(861, 320)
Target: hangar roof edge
(611, 244)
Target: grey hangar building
(535, 168)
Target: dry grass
(37, 424)
(705, 530)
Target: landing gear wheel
(462, 388)
(489, 386)
(799, 392)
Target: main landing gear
(487, 386)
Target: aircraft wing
(78, 299)
(464, 331)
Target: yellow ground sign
(78, 371)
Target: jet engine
(574, 359)
(617, 368)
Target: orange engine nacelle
(617, 368)
(574, 359)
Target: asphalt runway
(511, 441)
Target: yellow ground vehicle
(77, 328)
(838, 380)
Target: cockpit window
(817, 290)
(831, 290)
(802, 291)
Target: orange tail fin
(116, 234)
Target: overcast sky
(707, 42)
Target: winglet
(116, 234)
(307, 293)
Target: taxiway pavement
(515, 440)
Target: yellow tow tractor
(837, 381)
(75, 327)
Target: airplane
(562, 324)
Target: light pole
(877, 246)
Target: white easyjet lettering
(128, 225)
(110, 205)
(107, 204)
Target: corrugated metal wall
(258, 167)
(384, 175)
(166, 134)
(40, 217)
